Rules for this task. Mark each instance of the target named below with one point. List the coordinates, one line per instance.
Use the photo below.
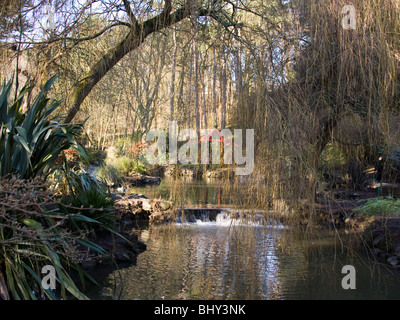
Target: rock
(117, 196)
(142, 211)
(122, 256)
(122, 249)
(359, 224)
(382, 235)
(146, 205)
(378, 239)
(156, 170)
(394, 261)
(151, 180)
(397, 249)
(354, 195)
(180, 171)
(158, 218)
(141, 180)
(141, 246)
(89, 264)
(162, 205)
(221, 173)
(379, 253)
(131, 212)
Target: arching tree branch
(134, 38)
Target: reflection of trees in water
(205, 263)
(215, 192)
(311, 263)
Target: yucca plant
(87, 194)
(31, 142)
(36, 229)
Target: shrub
(124, 165)
(137, 149)
(89, 194)
(34, 233)
(127, 166)
(109, 174)
(332, 157)
(140, 167)
(36, 228)
(95, 156)
(379, 206)
(30, 143)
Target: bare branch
(77, 40)
(132, 18)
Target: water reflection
(219, 262)
(191, 192)
(197, 262)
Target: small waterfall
(198, 215)
(241, 219)
(226, 217)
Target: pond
(224, 259)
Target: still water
(224, 259)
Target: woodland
(317, 80)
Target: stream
(232, 259)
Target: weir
(224, 216)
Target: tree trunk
(196, 84)
(214, 91)
(172, 92)
(204, 105)
(189, 101)
(238, 72)
(181, 103)
(325, 135)
(223, 87)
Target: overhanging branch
(135, 37)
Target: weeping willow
(341, 90)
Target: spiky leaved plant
(35, 228)
(31, 142)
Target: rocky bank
(379, 237)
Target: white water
(230, 218)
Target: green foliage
(95, 156)
(31, 142)
(36, 228)
(127, 166)
(34, 233)
(109, 174)
(332, 157)
(121, 144)
(379, 206)
(140, 168)
(90, 195)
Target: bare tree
(138, 32)
(172, 98)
